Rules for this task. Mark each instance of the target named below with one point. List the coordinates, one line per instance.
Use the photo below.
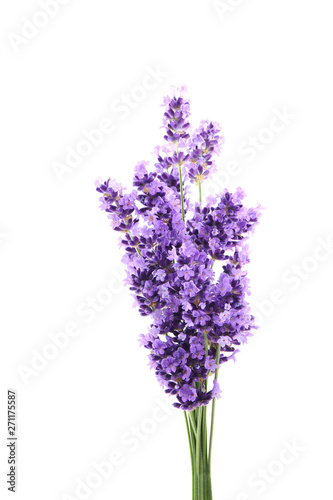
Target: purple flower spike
(198, 308)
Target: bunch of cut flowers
(185, 262)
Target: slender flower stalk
(181, 185)
(199, 316)
(181, 192)
(213, 409)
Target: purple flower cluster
(185, 268)
(175, 119)
(206, 143)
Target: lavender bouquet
(185, 266)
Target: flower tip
(98, 182)
(181, 90)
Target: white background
(57, 251)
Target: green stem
(192, 449)
(204, 449)
(197, 432)
(206, 349)
(138, 251)
(189, 437)
(136, 248)
(181, 186)
(193, 423)
(200, 195)
(198, 463)
(218, 353)
(181, 192)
